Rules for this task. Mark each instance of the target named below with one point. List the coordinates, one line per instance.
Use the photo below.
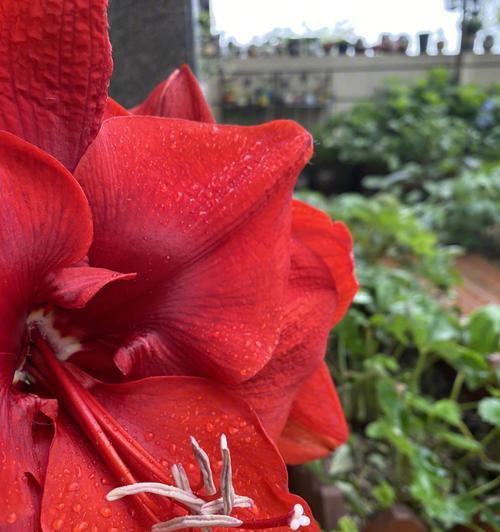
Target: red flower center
(124, 456)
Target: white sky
(246, 19)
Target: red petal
(316, 424)
(179, 96)
(45, 223)
(20, 464)
(55, 64)
(114, 109)
(311, 301)
(207, 234)
(332, 243)
(76, 487)
(74, 287)
(321, 256)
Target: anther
(180, 477)
(226, 477)
(156, 488)
(205, 468)
(197, 521)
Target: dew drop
(60, 506)
(80, 527)
(149, 436)
(11, 518)
(105, 512)
(209, 427)
(57, 524)
(76, 508)
(73, 486)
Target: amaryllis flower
(66, 439)
(293, 393)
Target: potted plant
(328, 47)
(359, 47)
(488, 43)
(402, 44)
(470, 27)
(342, 46)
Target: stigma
(214, 507)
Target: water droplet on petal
(11, 518)
(76, 507)
(73, 486)
(57, 524)
(149, 436)
(80, 527)
(105, 512)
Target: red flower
(67, 439)
(293, 394)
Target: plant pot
(488, 43)
(423, 42)
(397, 518)
(293, 46)
(359, 47)
(327, 47)
(402, 44)
(342, 48)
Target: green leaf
(347, 524)
(448, 411)
(460, 442)
(489, 410)
(341, 461)
(484, 329)
(389, 399)
(385, 494)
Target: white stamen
(22, 376)
(180, 477)
(63, 346)
(298, 518)
(217, 506)
(157, 488)
(207, 514)
(196, 521)
(205, 467)
(226, 476)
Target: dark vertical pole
(460, 55)
(150, 38)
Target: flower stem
(87, 422)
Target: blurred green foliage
(410, 134)
(465, 210)
(418, 381)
